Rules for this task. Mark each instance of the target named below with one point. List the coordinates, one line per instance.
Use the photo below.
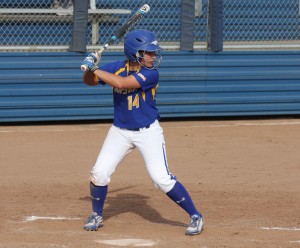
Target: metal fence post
(187, 25)
(79, 28)
(215, 26)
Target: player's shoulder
(149, 71)
(120, 63)
(145, 73)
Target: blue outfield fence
(49, 87)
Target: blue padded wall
(48, 86)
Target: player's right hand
(94, 57)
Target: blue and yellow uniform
(136, 125)
(134, 108)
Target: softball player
(134, 82)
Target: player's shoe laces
(196, 225)
(93, 222)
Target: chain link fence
(261, 24)
(46, 25)
(163, 19)
(35, 25)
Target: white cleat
(93, 222)
(196, 225)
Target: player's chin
(150, 64)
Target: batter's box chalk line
(34, 218)
(280, 228)
(128, 242)
(294, 241)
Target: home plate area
(128, 242)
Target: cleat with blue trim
(196, 225)
(93, 222)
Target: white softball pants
(120, 142)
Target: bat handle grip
(102, 49)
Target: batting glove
(90, 65)
(91, 61)
(95, 57)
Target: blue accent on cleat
(93, 222)
(196, 225)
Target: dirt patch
(243, 175)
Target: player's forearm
(117, 81)
(109, 78)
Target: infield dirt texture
(244, 175)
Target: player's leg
(113, 151)
(180, 195)
(151, 144)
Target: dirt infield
(243, 174)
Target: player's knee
(99, 178)
(164, 184)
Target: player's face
(148, 59)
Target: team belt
(137, 129)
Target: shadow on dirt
(133, 203)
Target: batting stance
(134, 82)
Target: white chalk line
(35, 218)
(275, 228)
(240, 124)
(231, 124)
(294, 241)
(281, 228)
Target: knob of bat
(83, 67)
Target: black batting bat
(123, 29)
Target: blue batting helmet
(140, 40)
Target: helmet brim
(151, 48)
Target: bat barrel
(134, 19)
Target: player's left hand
(95, 57)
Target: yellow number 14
(133, 103)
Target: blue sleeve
(148, 79)
(112, 67)
(107, 68)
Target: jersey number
(133, 102)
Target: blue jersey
(134, 108)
